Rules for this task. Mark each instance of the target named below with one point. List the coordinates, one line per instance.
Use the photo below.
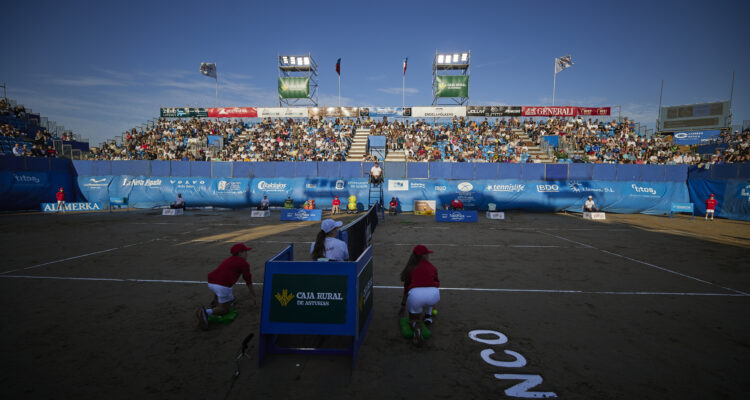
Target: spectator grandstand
(24, 133)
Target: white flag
(208, 69)
(563, 63)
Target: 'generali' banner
(563, 111)
(233, 112)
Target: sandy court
(101, 305)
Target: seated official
(589, 205)
(179, 202)
(326, 246)
(264, 203)
(393, 209)
(376, 174)
(457, 205)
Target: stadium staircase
(359, 145)
(535, 151)
(395, 156)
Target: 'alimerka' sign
(52, 207)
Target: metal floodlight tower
(299, 66)
(449, 64)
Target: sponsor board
(135, 182)
(96, 183)
(225, 186)
(695, 137)
(745, 192)
(398, 185)
(282, 112)
(185, 183)
(417, 185)
(594, 215)
(183, 112)
(294, 87)
(583, 187)
(272, 186)
(26, 179)
(232, 112)
(440, 188)
(364, 294)
(452, 86)
(424, 207)
(549, 111)
(172, 211)
(465, 187)
(81, 206)
(493, 111)
(495, 215)
(456, 216)
(300, 214)
(548, 188)
(322, 112)
(438, 112)
(308, 298)
(643, 190)
(508, 188)
(384, 111)
(260, 213)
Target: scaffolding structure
(299, 66)
(449, 64)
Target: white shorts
(709, 211)
(421, 297)
(223, 293)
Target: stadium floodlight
(307, 60)
(285, 59)
(455, 58)
(293, 61)
(299, 60)
(441, 58)
(464, 57)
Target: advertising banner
(594, 111)
(308, 298)
(299, 214)
(323, 112)
(452, 86)
(283, 112)
(456, 216)
(438, 112)
(424, 207)
(183, 112)
(364, 294)
(549, 111)
(382, 111)
(733, 196)
(233, 112)
(294, 88)
(52, 207)
(695, 137)
(493, 111)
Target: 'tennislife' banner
(294, 88)
(233, 112)
(452, 86)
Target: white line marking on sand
(497, 290)
(651, 265)
(64, 259)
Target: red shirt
(229, 272)
(336, 202)
(60, 196)
(394, 203)
(457, 204)
(711, 204)
(423, 275)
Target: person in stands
(222, 279)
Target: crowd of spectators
(22, 144)
(235, 140)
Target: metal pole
(217, 90)
(554, 83)
(339, 89)
(661, 92)
(403, 91)
(731, 96)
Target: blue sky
(101, 67)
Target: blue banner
(386, 112)
(695, 137)
(456, 216)
(52, 207)
(300, 214)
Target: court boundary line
(447, 289)
(648, 264)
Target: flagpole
(554, 83)
(339, 89)
(217, 85)
(403, 91)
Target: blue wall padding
(416, 170)
(82, 167)
(724, 171)
(306, 169)
(605, 172)
(462, 171)
(440, 170)
(103, 168)
(221, 169)
(179, 168)
(242, 169)
(396, 170)
(329, 169)
(653, 173)
(159, 168)
(629, 172)
(200, 168)
(675, 173)
(532, 171)
(510, 171)
(265, 169)
(583, 172)
(351, 169)
(486, 170)
(556, 172)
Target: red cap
(62, 189)
(238, 248)
(712, 195)
(421, 250)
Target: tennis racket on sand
(242, 354)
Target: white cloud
(86, 82)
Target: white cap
(328, 225)
(590, 197)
